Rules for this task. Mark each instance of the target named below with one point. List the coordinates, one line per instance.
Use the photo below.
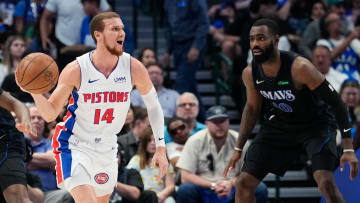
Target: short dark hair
(97, 23)
(155, 64)
(271, 24)
(92, 1)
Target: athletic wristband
(212, 186)
(348, 150)
(238, 149)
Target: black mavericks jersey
(10, 138)
(284, 106)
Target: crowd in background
(199, 141)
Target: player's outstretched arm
(305, 73)
(141, 79)
(69, 80)
(249, 117)
(21, 111)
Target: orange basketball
(37, 73)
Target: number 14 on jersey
(106, 116)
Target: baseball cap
(216, 112)
(332, 2)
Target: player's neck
(272, 66)
(105, 66)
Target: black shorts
(273, 151)
(12, 170)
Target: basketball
(37, 73)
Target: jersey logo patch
(101, 178)
(120, 79)
(283, 83)
(91, 81)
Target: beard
(113, 50)
(266, 54)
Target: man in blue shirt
(187, 108)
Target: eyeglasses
(210, 158)
(184, 104)
(175, 130)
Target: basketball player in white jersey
(100, 83)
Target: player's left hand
(161, 161)
(193, 54)
(350, 158)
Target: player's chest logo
(278, 95)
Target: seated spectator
(13, 52)
(129, 121)
(167, 97)
(204, 158)
(129, 142)
(321, 59)
(187, 108)
(130, 188)
(345, 51)
(43, 162)
(163, 187)
(179, 133)
(147, 55)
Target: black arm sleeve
(326, 92)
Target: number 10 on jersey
(106, 116)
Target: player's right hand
(26, 127)
(234, 158)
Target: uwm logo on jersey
(278, 95)
(106, 97)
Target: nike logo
(1, 137)
(345, 130)
(160, 139)
(259, 82)
(91, 81)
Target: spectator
(203, 160)
(312, 32)
(7, 9)
(187, 40)
(13, 51)
(321, 58)
(147, 55)
(353, 14)
(345, 51)
(43, 162)
(179, 133)
(129, 142)
(130, 188)
(67, 27)
(167, 97)
(350, 95)
(187, 108)
(25, 16)
(129, 121)
(226, 29)
(163, 187)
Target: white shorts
(80, 163)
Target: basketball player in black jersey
(12, 149)
(294, 100)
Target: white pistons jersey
(97, 110)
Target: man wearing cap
(203, 160)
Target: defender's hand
(235, 157)
(350, 158)
(26, 127)
(160, 160)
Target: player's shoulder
(301, 63)
(71, 73)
